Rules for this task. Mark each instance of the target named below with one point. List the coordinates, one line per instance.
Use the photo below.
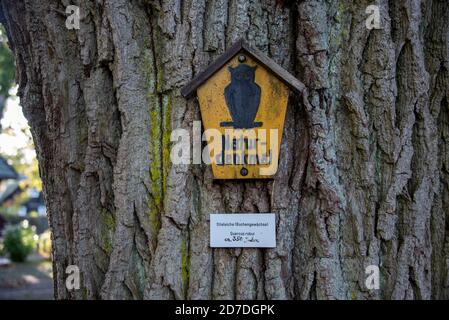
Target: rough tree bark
(364, 167)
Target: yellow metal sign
(243, 100)
(249, 119)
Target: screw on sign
(243, 97)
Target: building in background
(7, 172)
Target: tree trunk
(363, 177)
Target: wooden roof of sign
(241, 46)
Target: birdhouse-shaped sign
(243, 99)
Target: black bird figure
(242, 96)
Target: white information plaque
(243, 230)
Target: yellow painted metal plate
(253, 153)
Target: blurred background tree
(7, 71)
(21, 155)
(20, 240)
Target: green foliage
(2, 248)
(44, 244)
(19, 241)
(7, 67)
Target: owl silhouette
(242, 97)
